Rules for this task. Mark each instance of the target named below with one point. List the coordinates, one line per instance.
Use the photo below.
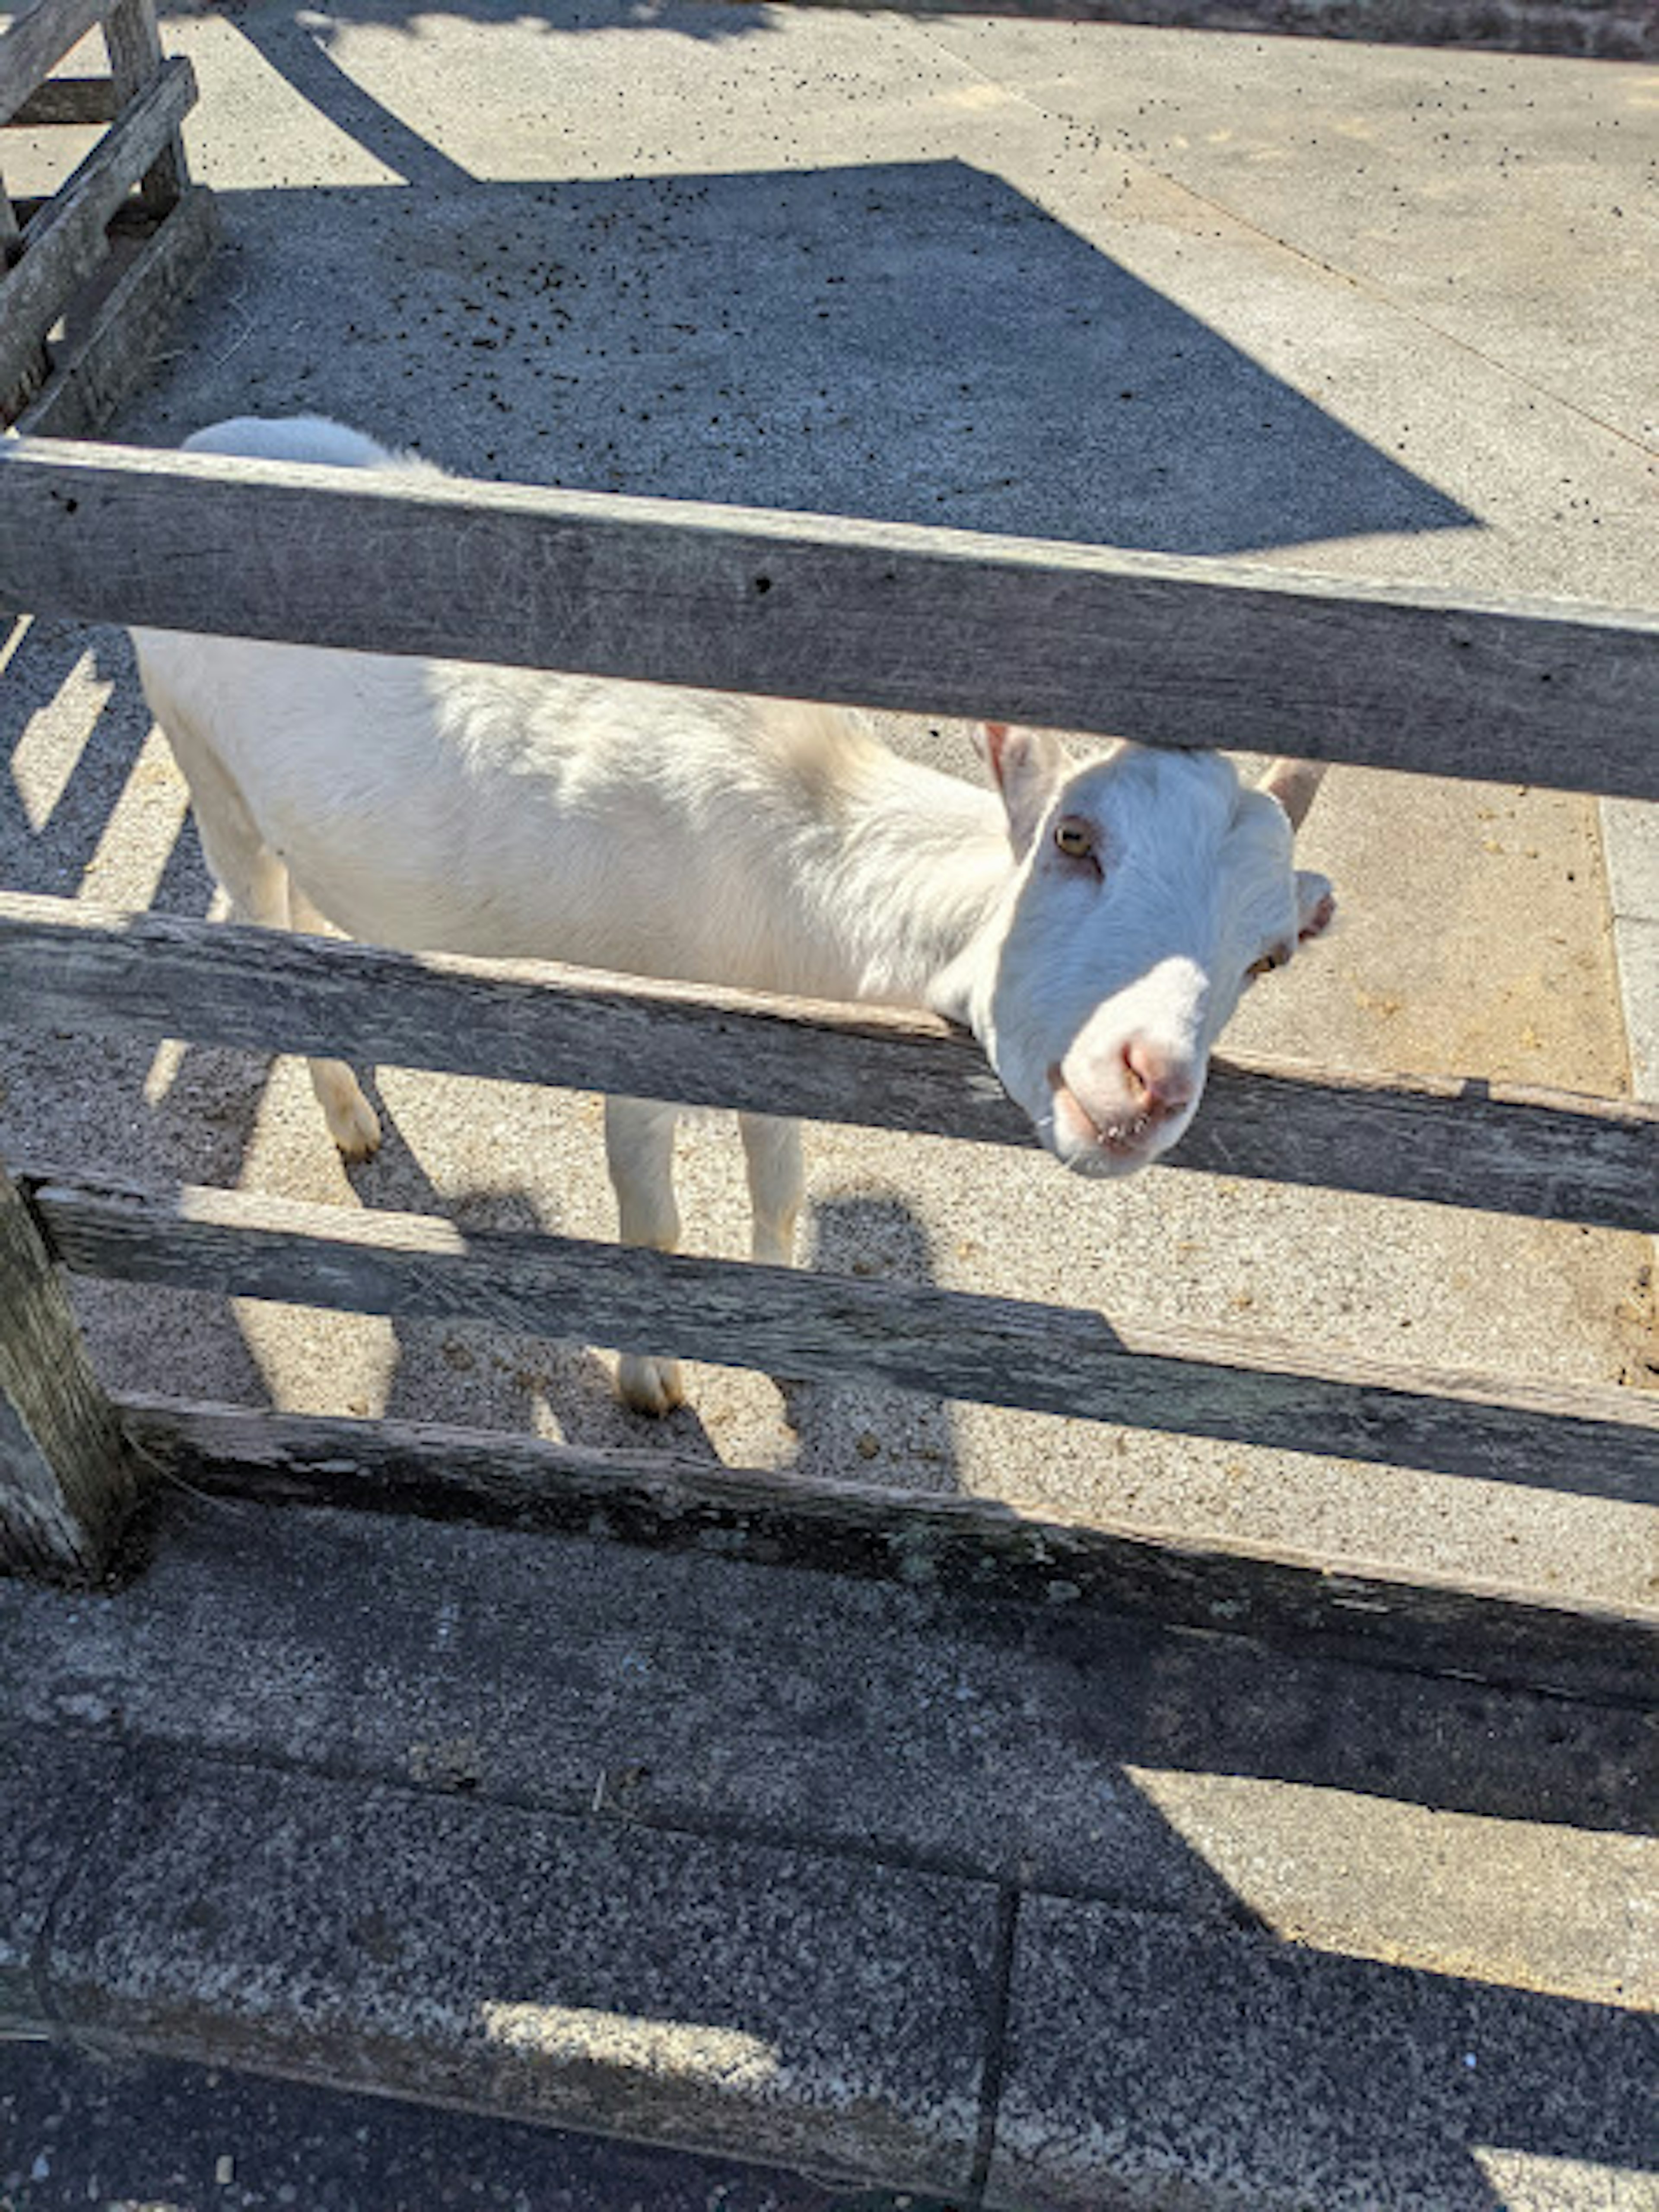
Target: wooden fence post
(66, 1482)
(11, 245)
(9, 248)
(134, 45)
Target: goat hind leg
(352, 1121)
(639, 1145)
(258, 886)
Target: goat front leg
(776, 1185)
(639, 1148)
(352, 1121)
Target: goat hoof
(649, 1386)
(356, 1130)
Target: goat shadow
(866, 1430)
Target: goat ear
(1315, 904)
(1028, 767)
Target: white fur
(439, 805)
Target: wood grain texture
(33, 375)
(1178, 651)
(134, 46)
(64, 244)
(986, 1351)
(36, 40)
(64, 964)
(66, 1483)
(993, 1549)
(90, 380)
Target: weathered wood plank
(134, 46)
(1178, 651)
(90, 380)
(64, 964)
(66, 1482)
(36, 42)
(986, 1351)
(1030, 1554)
(65, 244)
(34, 370)
(63, 100)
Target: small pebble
(224, 2171)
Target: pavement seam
(734, 1831)
(996, 2044)
(715, 1828)
(1365, 286)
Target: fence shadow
(485, 1374)
(825, 340)
(695, 19)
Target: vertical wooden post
(8, 231)
(66, 1483)
(13, 402)
(134, 45)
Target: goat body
(1094, 926)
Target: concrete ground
(132, 2134)
(1378, 314)
(1007, 1907)
(1372, 311)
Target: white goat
(1094, 926)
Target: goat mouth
(1128, 1142)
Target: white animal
(1094, 925)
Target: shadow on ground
(917, 342)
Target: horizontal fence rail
(1033, 1552)
(1178, 651)
(949, 1344)
(65, 965)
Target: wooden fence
(90, 273)
(1169, 651)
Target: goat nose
(1160, 1083)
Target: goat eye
(1075, 837)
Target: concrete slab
(56, 1795)
(1630, 837)
(1637, 941)
(1218, 2071)
(859, 1880)
(879, 264)
(1438, 191)
(1366, 1812)
(829, 2014)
